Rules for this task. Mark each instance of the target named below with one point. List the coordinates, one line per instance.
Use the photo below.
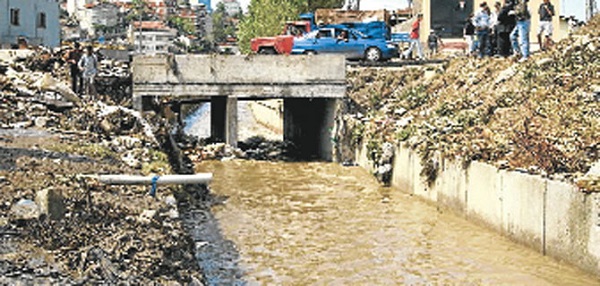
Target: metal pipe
(200, 178)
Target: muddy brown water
(325, 224)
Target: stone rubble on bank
(254, 148)
(57, 225)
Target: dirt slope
(541, 116)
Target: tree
(183, 25)
(267, 17)
(139, 12)
(312, 5)
(223, 27)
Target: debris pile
(539, 117)
(101, 235)
(60, 226)
(114, 79)
(253, 148)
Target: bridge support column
(308, 123)
(223, 119)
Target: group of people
(505, 30)
(83, 67)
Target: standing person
(482, 26)
(414, 39)
(432, 41)
(494, 28)
(72, 58)
(520, 34)
(506, 23)
(88, 64)
(469, 33)
(546, 13)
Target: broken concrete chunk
(50, 202)
(25, 210)
(147, 216)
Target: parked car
(340, 40)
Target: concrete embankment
(550, 216)
(269, 113)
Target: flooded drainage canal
(322, 223)
(304, 223)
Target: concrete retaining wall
(269, 113)
(550, 216)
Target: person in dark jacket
(506, 23)
(72, 58)
(469, 33)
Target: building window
(14, 17)
(41, 20)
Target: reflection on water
(324, 224)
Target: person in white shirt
(482, 28)
(88, 64)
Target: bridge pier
(223, 119)
(308, 123)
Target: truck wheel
(373, 54)
(310, 53)
(267, 51)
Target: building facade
(151, 37)
(34, 21)
(232, 7)
(73, 6)
(97, 17)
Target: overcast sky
(569, 7)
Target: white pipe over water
(200, 178)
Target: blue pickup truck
(342, 40)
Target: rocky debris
(540, 116)
(383, 166)
(590, 182)
(51, 203)
(25, 210)
(95, 233)
(44, 76)
(254, 148)
(114, 79)
(87, 233)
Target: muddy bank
(58, 225)
(99, 234)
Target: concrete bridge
(310, 87)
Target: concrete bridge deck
(309, 86)
(258, 76)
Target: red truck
(283, 43)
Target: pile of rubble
(253, 148)
(58, 225)
(539, 117)
(114, 79)
(85, 232)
